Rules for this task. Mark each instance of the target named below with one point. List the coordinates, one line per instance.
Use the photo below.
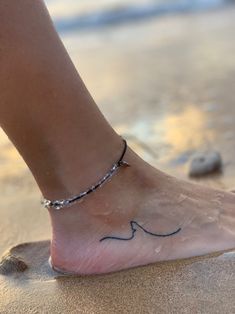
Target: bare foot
(140, 217)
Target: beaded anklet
(59, 204)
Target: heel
(62, 272)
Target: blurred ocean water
(80, 14)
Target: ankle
(78, 171)
(115, 201)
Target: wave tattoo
(134, 226)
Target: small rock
(12, 264)
(204, 163)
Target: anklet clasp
(58, 204)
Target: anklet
(58, 204)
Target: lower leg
(53, 121)
(45, 108)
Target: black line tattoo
(135, 224)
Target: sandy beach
(166, 84)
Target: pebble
(12, 264)
(203, 163)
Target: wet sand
(198, 285)
(167, 85)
